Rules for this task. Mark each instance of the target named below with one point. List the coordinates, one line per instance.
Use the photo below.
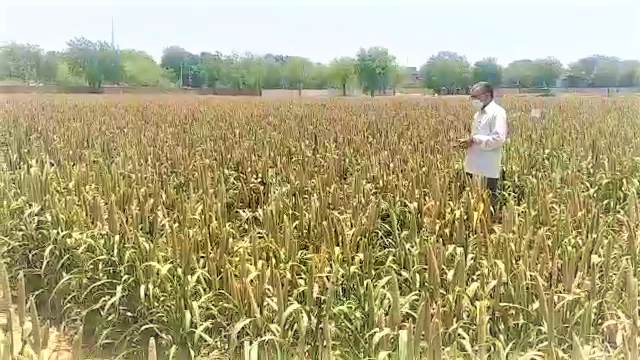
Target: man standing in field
(488, 134)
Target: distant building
(413, 77)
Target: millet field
(158, 227)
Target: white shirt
(489, 133)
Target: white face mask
(477, 104)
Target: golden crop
(330, 229)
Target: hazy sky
(324, 29)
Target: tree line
(448, 69)
(374, 70)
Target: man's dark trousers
(492, 186)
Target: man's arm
(498, 134)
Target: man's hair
(485, 87)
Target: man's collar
(489, 103)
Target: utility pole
(115, 53)
(112, 35)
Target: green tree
(447, 70)
(582, 71)
(397, 75)
(20, 62)
(487, 70)
(574, 80)
(212, 67)
(184, 67)
(48, 69)
(607, 72)
(140, 69)
(318, 76)
(65, 77)
(95, 61)
(520, 73)
(253, 71)
(629, 73)
(595, 70)
(341, 71)
(373, 67)
(297, 70)
(546, 72)
(273, 72)
(234, 74)
(174, 59)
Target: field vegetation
(316, 229)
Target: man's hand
(465, 143)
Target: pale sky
(324, 29)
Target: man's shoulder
(496, 108)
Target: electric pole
(115, 54)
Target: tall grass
(190, 228)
